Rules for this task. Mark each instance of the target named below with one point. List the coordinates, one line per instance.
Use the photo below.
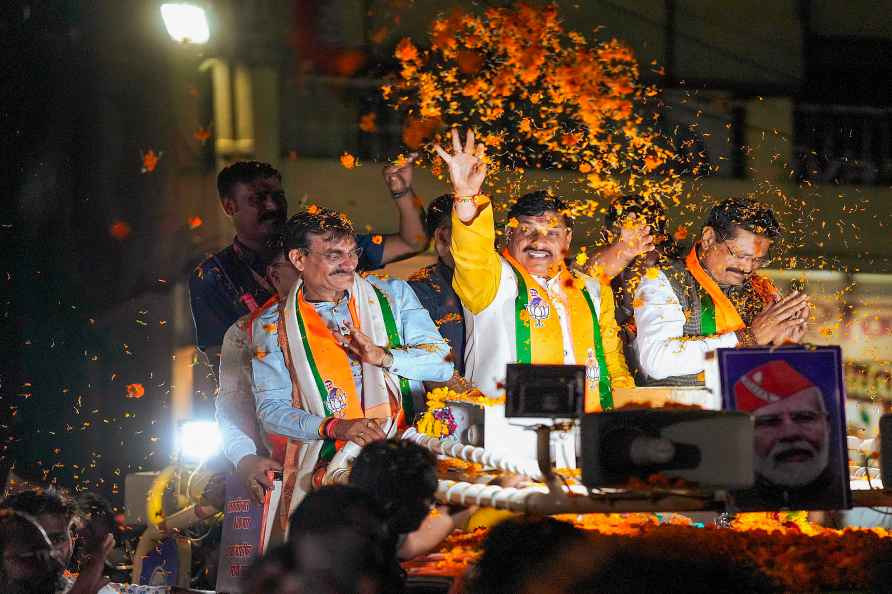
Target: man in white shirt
(713, 298)
(523, 305)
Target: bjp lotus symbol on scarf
(336, 399)
(538, 308)
(592, 373)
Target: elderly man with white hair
(792, 437)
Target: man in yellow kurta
(524, 305)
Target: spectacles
(53, 542)
(755, 261)
(801, 418)
(335, 257)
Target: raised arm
(412, 237)
(477, 265)
(611, 259)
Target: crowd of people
(314, 356)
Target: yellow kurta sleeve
(613, 346)
(478, 269)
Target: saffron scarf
(323, 377)
(539, 336)
(717, 314)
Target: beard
(777, 471)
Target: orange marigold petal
(348, 161)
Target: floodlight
(198, 440)
(185, 22)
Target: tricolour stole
(539, 336)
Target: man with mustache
(232, 282)
(524, 305)
(713, 298)
(791, 437)
(339, 355)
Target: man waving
(524, 305)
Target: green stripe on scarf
(521, 326)
(393, 336)
(604, 391)
(328, 448)
(707, 314)
(524, 348)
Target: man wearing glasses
(713, 298)
(340, 355)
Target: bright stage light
(185, 23)
(198, 440)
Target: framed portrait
(796, 398)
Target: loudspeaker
(886, 451)
(544, 391)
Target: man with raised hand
(524, 305)
(232, 282)
(340, 355)
(713, 298)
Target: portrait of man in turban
(794, 434)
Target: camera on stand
(553, 395)
(544, 391)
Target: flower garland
(796, 555)
(438, 421)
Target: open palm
(466, 169)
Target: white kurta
(659, 320)
(491, 345)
